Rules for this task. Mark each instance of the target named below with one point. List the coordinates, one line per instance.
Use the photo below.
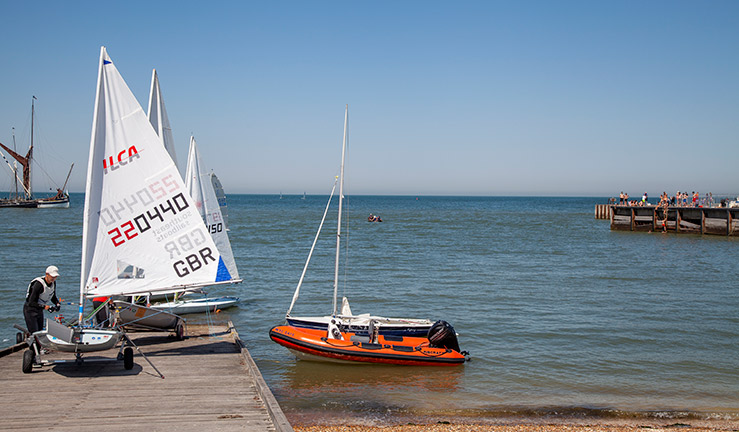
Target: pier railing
(686, 220)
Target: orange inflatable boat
(439, 349)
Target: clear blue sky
(464, 98)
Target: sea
(561, 316)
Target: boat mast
(30, 150)
(15, 169)
(341, 198)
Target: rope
(209, 320)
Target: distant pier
(683, 220)
(211, 383)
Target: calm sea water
(558, 312)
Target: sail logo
(123, 158)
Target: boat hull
(312, 344)
(360, 324)
(86, 340)
(35, 203)
(53, 203)
(138, 316)
(181, 307)
(12, 203)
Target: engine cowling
(442, 335)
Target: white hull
(52, 204)
(360, 324)
(181, 307)
(90, 340)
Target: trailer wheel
(27, 361)
(179, 332)
(19, 337)
(128, 358)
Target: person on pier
(41, 296)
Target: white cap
(52, 271)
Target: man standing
(40, 296)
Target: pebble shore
(678, 427)
(553, 425)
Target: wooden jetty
(603, 211)
(684, 220)
(211, 383)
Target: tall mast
(15, 169)
(341, 199)
(30, 150)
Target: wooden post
(703, 221)
(729, 223)
(654, 219)
(632, 219)
(677, 219)
(612, 213)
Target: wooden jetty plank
(211, 383)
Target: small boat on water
(440, 348)
(360, 324)
(345, 337)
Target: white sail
(141, 230)
(158, 117)
(199, 184)
(221, 195)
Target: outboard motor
(442, 335)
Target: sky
(550, 98)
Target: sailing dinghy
(364, 338)
(200, 184)
(141, 232)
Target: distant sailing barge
(25, 198)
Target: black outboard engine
(442, 335)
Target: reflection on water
(310, 378)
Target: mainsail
(221, 195)
(198, 182)
(158, 117)
(141, 230)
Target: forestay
(199, 184)
(141, 230)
